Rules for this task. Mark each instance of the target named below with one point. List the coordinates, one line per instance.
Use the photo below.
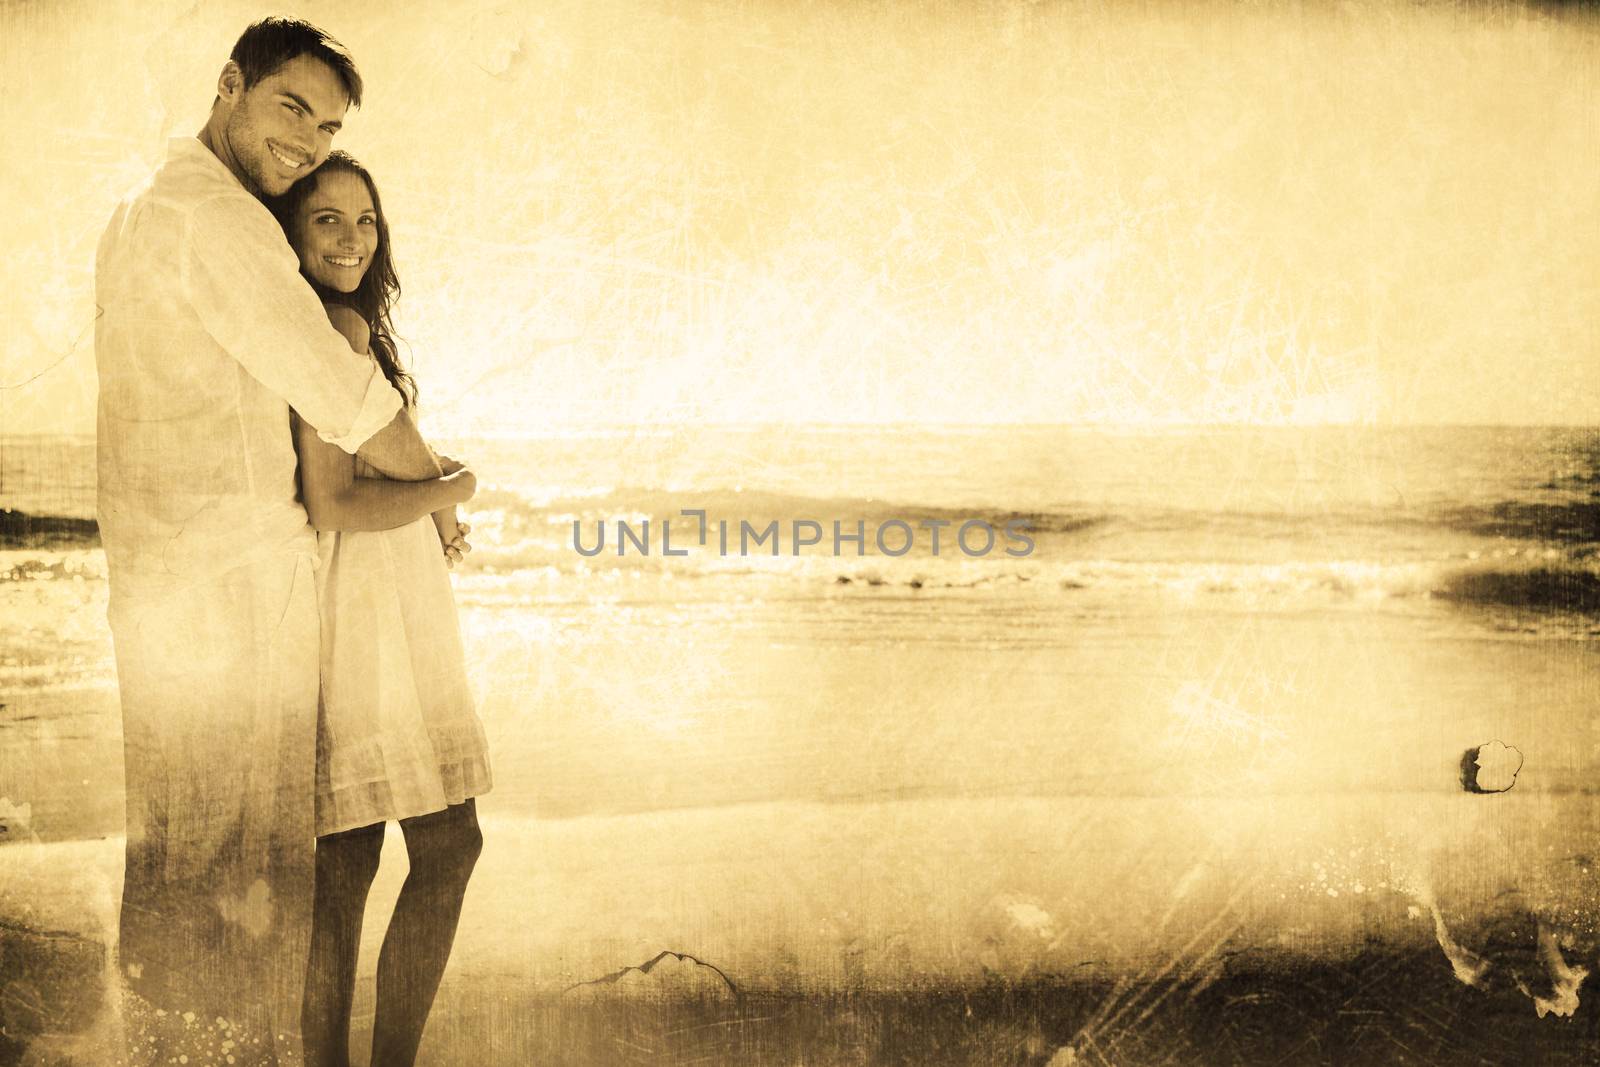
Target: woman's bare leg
(443, 847)
(346, 864)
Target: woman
(397, 736)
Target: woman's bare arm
(398, 449)
(452, 531)
(452, 535)
(335, 499)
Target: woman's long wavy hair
(380, 286)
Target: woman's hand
(452, 535)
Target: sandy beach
(842, 909)
(1085, 810)
(906, 925)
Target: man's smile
(291, 160)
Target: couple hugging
(288, 686)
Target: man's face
(281, 128)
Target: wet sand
(1192, 837)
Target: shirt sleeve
(244, 283)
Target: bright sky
(608, 212)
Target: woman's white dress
(397, 734)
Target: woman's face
(336, 232)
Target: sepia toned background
(1277, 322)
(993, 213)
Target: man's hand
(448, 466)
(452, 535)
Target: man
(206, 337)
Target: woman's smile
(336, 230)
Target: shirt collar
(193, 150)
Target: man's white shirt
(206, 335)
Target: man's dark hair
(273, 41)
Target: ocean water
(1251, 518)
(1198, 611)
(1237, 610)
